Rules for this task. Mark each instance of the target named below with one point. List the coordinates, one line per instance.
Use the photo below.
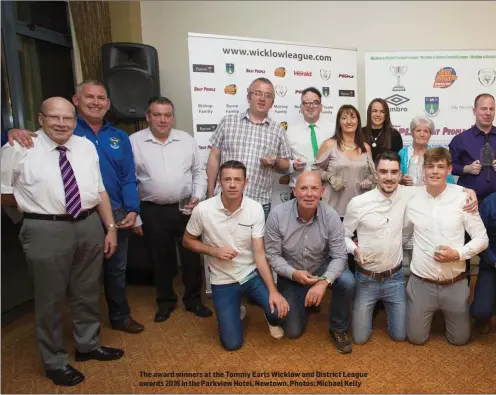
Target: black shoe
(341, 341)
(66, 375)
(200, 310)
(100, 354)
(162, 314)
(482, 325)
(128, 325)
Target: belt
(454, 280)
(385, 274)
(157, 204)
(64, 217)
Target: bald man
(304, 242)
(57, 185)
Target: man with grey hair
(171, 182)
(118, 173)
(254, 139)
(58, 187)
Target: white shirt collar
(173, 136)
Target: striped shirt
(238, 138)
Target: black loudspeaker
(131, 77)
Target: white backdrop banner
(222, 68)
(439, 84)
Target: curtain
(92, 30)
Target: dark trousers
(467, 261)
(114, 275)
(64, 256)
(164, 226)
(484, 304)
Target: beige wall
(367, 26)
(125, 21)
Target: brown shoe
(483, 325)
(129, 326)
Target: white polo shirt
(219, 228)
(33, 175)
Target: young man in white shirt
(438, 223)
(232, 226)
(377, 216)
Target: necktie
(315, 145)
(72, 197)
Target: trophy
(486, 159)
(415, 170)
(398, 71)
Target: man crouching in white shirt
(377, 216)
(232, 228)
(438, 224)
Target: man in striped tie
(58, 186)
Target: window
(38, 57)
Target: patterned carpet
(183, 355)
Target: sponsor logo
(445, 77)
(204, 89)
(230, 68)
(397, 100)
(487, 76)
(298, 91)
(281, 90)
(325, 74)
(114, 142)
(325, 91)
(205, 108)
(284, 180)
(461, 107)
(210, 127)
(346, 93)
(280, 72)
(285, 196)
(303, 73)
(398, 71)
(346, 76)
(284, 125)
(256, 71)
(203, 68)
(230, 89)
(432, 106)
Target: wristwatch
(111, 226)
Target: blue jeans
(227, 302)
(114, 275)
(369, 290)
(295, 323)
(266, 208)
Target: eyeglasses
(266, 95)
(56, 118)
(160, 115)
(314, 103)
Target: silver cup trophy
(398, 71)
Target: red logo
(298, 92)
(346, 76)
(303, 73)
(204, 89)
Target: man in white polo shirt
(231, 226)
(438, 224)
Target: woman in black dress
(379, 132)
